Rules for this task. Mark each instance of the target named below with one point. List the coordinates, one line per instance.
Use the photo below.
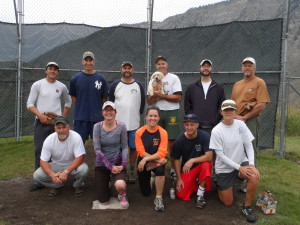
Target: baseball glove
(51, 117)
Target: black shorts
(227, 180)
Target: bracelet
(66, 171)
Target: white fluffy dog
(156, 79)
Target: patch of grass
(282, 178)
(16, 158)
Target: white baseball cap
(249, 59)
(108, 103)
(228, 104)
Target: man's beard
(205, 75)
(62, 136)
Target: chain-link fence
(225, 44)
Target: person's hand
(187, 166)
(141, 165)
(43, 118)
(162, 161)
(116, 169)
(238, 117)
(248, 171)
(63, 176)
(55, 178)
(179, 185)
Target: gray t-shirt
(111, 147)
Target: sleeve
(97, 146)
(262, 92)
(111, 91)
(72, 90)
(177, 89)
(79, 146)
(140, 148)
(248, 138)
(124, 142)
(104, 88)
(163, 146)
(46, 149)
(205, 140)
(143, 97)
(222, 98)
(216, 143)
(33, 95)
(187, 101)
(66, 97)
(176, 153)
(233, 92)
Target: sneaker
(78, 192)
(247, 211)
(36, 187)
(53, 192)
(159, 204)
(131, 177)
(244, 186)
(200, 203)
(173, 177)
(123, 200)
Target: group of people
(219, 137)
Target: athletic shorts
(103, 177)
(227, 180)
(201, 172)
(131, 138)
(169, 121)
(84, 128)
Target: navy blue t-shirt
(89, 89)
(190, 148)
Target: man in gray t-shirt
(45, 96)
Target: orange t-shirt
(151, 141)
(249, 91)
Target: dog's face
(157, 76)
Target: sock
(200, 191)
(172, 170)
(158, 196)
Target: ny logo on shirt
(98, 85)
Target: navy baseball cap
(190, 118)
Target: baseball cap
(61, 119)
(88, 54)
(126, 63)
(108, 103)
(52, 64)
(190, 118)
(204, 61)
(228, 104)
(249, 59)
(160, 58)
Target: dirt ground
(19, 206)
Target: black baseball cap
(160, 58)
(61, 119)
(126, 63)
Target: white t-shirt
(62, 152)
(128, 104)
(205, 86)
(46, 96)
(171, 85)
(228, 143)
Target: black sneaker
(247, 211)
(200, 203)
(36, 187)
(173, 177)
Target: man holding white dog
(168, 103)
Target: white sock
(200, 191)
(172, 170)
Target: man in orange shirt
(251, 96)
